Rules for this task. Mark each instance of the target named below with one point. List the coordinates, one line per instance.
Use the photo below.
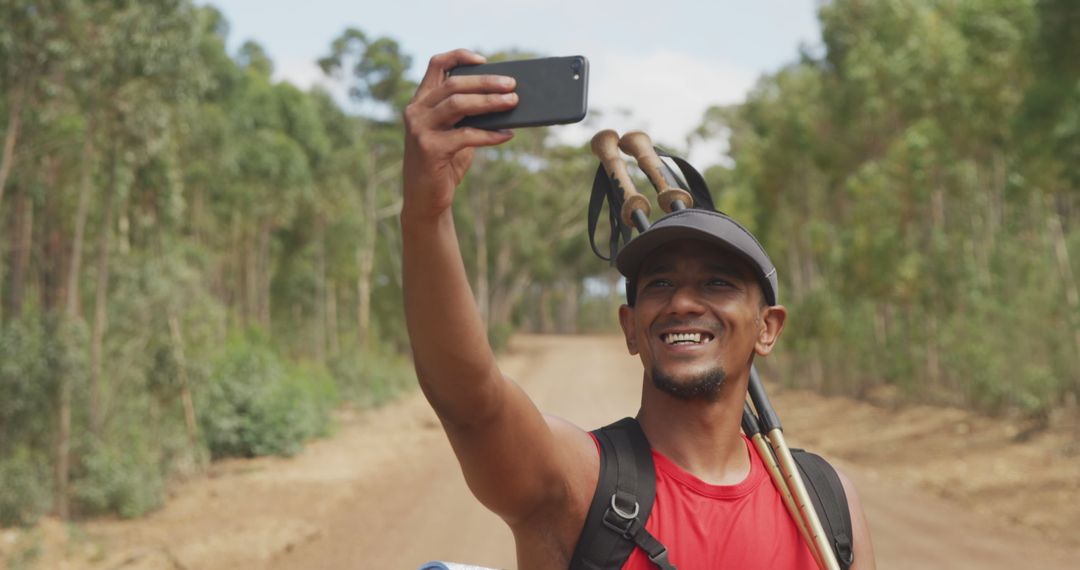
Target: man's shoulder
(550, 533)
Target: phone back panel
(551, 91)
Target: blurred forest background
(198, 262)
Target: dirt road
(385, 492)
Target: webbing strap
(604, 191)
(830, 502)
(697, 187)
(622, 502)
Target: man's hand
(437, 155)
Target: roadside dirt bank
(943, 488)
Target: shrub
(253, 404)
(25, 487)
(125, 478)
(373, 377)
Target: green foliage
(371, 378)
(123, 476)
(27, 490)
(24, 380)
(178, 193)
(255, 404)
(916, 186)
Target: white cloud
(664, 93)
(302, 73)
(307, 74)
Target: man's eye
(658, 283)
(720, 283)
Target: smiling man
(701, 304)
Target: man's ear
(772, 324)
(626, 321)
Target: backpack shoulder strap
(622, 502)
(830, 502)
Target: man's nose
(686, 299)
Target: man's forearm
(454, 361)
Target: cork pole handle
(605, 145)
(639, 145)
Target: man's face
(699, 317)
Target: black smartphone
(551, 91)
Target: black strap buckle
(620, 519)
(844, 552)
(661, 560)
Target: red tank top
(743, 526)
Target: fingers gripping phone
(551, 91)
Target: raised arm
(513, 461)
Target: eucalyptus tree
(373, 73)
(272, 178)
(895, 178)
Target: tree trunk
(499, 289)
(504, 299)
(53, 260)
(236, 267)
(933, 354)
(502, 274)
(543, 308)
(7, 159)
(187, 401)
(23, 227)
(63, 448)
(391, 236)
(52, 283)
(818, 379)
(567, 310)
(320, 289)
(197, 207)
(483, 283)
(100, 302)
(265, 274)
(1064, 263)
(365, 259)
(331, 319)
(250, 272)
(480, 205)
(71, 305)
(365, 254)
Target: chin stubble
(704, 386)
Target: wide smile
(686, 339)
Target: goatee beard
(706, 386)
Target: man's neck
(700, 436)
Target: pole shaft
(780, 483)
(802, 499)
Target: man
(699, 314)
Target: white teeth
(676, 338)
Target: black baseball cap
(703, 225)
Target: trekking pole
(671, 197)
(771, 425)
(752, 428)
(636, 208)
(784, 473)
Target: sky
(652, 68)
